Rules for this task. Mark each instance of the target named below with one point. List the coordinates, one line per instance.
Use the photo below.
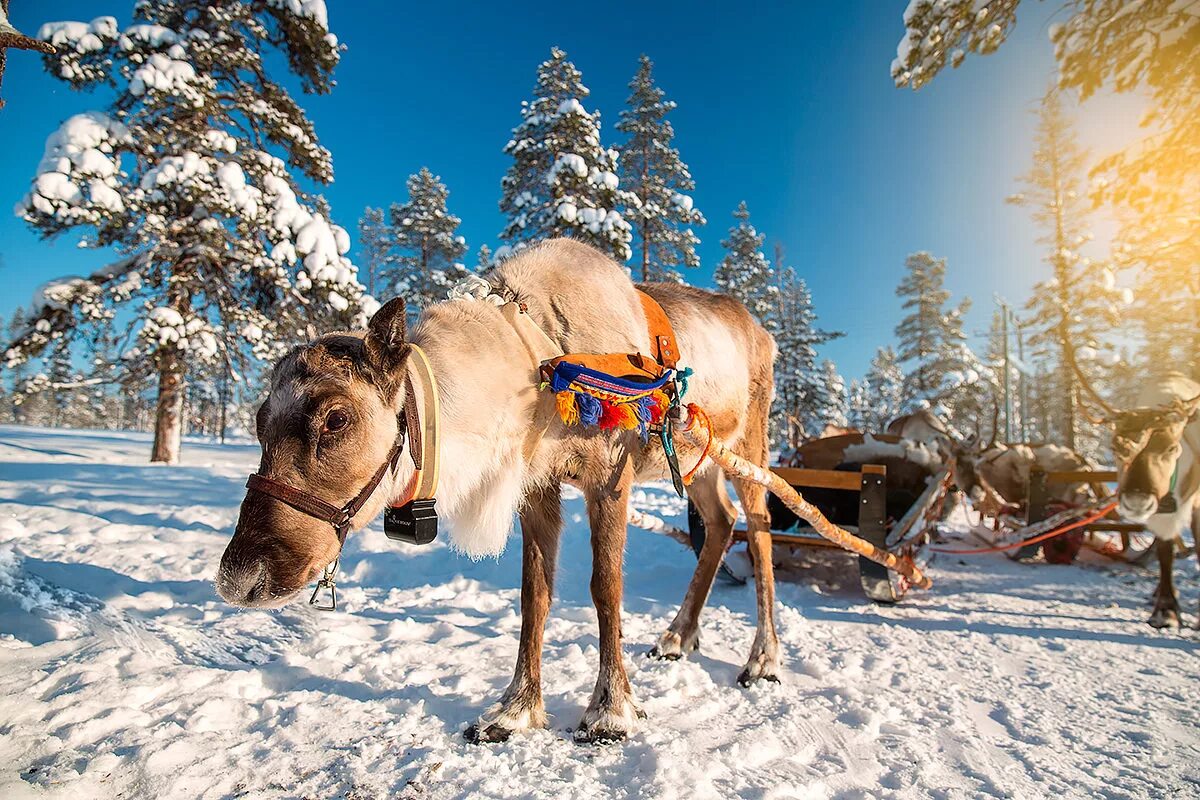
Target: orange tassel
(627, 416)
(659, 408)
(568, 409)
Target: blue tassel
(645, 407)
(682, 376)
(589, 409)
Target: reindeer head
(965, 456)
(327, 425)
(1146, 444)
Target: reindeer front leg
(611, 715)
(1166, 600)
(521, 706)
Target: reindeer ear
(385, 334)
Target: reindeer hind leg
(707, 491)
(763, 663)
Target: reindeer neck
(487, 396)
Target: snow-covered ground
(123, 675)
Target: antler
(995, 423)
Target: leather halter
(422, 443)
(315, 507)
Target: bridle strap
(313, 506)
(340, 517)
(301, 501)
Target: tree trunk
(168, 419)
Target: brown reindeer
(1157, 449)
(332, 416)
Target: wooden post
(1037, 508)
(872, 527)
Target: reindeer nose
(1138, 506)
(242, 584)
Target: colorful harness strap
(618, 390)
(591, 397)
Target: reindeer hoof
(604, 724)
(486, 734)
(599, 736)
(762, 666)
(672, 647)
(747, 678)
(1164, 618)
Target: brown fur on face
(340, 378)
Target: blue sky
(789, 107)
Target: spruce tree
(859, 414)
(375, 255)
(1079, 301)
(745, 273)
(884, 386)
(652, 171)
(563, 181)
(1152, 48)
(427, 250)
(191, 176)
(930, 335)
(833, 412)
(800, 390)
(484, 261)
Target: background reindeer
(332, 415)
(1157, 449)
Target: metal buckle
(328, 581)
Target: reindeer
(1157, 449)
(1000, 472)
(334, 410)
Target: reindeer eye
(336, 421)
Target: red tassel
(610, 416)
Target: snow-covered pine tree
(801, 394)
(859, 414)
(745, 273)
(930, 336)
(375, 240)
(563, 181)
(1080, 300)
(1147, 47)
(189, 175)
(426, 247)
(884, 385)
(833, 414)
(652, 171)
